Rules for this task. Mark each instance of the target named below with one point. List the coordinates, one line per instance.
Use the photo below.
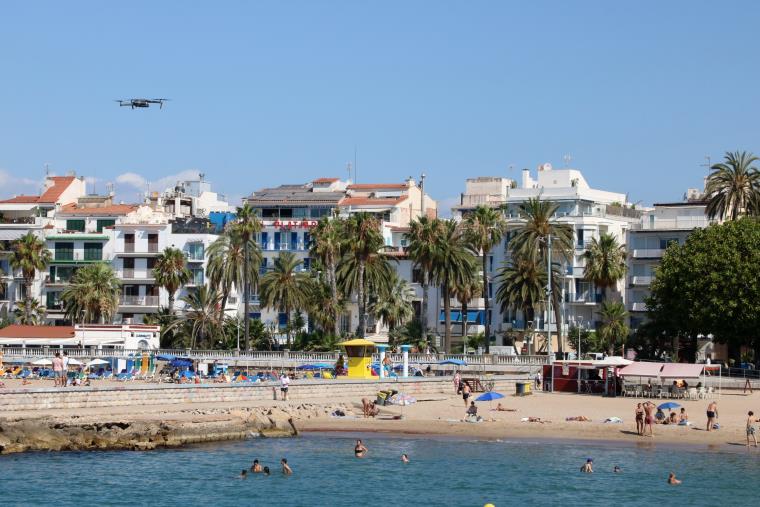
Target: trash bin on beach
(522, 388)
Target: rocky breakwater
(142, 431)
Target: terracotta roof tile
(22, 199)
(60, 184)
(325, 180)
(378, 186)
(114, 209)
(40, 332)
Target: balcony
(17, 220)
(129, 247)
(641, 280)
(683, 223)
(638, 307)
(138, 301)
(648, 253)
(583, 298)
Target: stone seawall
(116, 394)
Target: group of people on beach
(257, 468)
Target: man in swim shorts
(751, 427)
(465, 393)
(712, 415)
(649, 408)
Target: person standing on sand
(286, 470)
(65, 362)
(639, 412)
(457, 381)
(465, 393)
(284, 384)
(648, 407)
(712, 415)
(57, 369)
(751, 427)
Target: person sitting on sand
(673, 419)
(534, 419)
(683, 417)
(579, 418)
(472, 413)
(359, 449)
(672, 479)
(502, 408)
(256, 467)
(588, 467)
(660, 416)
(286, 470)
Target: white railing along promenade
(288, 358)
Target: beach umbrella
(166, 357)
(455, 362)
(670, 405)
(489, 396)
(42, 362)
(75, 362)
(96, 362)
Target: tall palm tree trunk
(485, 303)
(425, 302)
(360, 297)
(334, 287)
(464, 321)
(447, 314)
(171, 302)
(558, 322)
(287, 325)
(246, 295)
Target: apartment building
(589, 212)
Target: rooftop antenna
(47, 169)
(708, 164)
(356, 168)
(567, 158)
(109, 188)
(348, 168)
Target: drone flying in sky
(133, 103)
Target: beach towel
(613, 420)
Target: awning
(473, 316)
(680, 370)
(641, 370)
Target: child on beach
(751, 427)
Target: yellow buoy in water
(489, 505)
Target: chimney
(526, 180)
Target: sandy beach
(442, 414)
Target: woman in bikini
(359, 449)
(639, 419)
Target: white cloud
(10, 185)
(132, 179)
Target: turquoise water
(441, 472)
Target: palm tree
(326, 243)
(377, 279)
(29, 312)
(485, 228)
(453, 263)
(605, 262)
(284, 288)
(532, 241)
(465, 290)
(171, 272)
(171, 332)
(29, 255)
(202, 316)
(226, 263)
(421, 238)
(362, 240)
(733, 187)
(324, 310)
(246, 225)
(93, 295)
(394, 306)
(613, 328)
(521, 283)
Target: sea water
(441, 472)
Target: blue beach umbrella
(670, 405)
(166, 357)
(489, 396)
(456, 362)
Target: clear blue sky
(280, 92)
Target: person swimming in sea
(256, 467)
(265, 471)
(672, 479)
(359, 449)
(286, 470)
(588, 467)
(243, 473)
(404, 458)
(616, 470)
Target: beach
(433, 414)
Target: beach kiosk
(359, 357)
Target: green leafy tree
(202, 317)
(171, 272)
(29, 254)
(531, 241)
(605, 262)
(285, 288)
(453, 264)
(394, 306)
(485, 229)
(710, 286)
(422, 237)
(465, 290)
(362, 241)
(226, 263)
(613, 329)
(326, 244)
(521, 285)
(324, 309)
(172, 328)
(93, 294)
(245, 226)
(29, 312)
(733, 187)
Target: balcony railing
(138, 300)
(639, 307)
(17, 220)
(128, 273)
(129, 247)
(641, 279)
(647, 253)
(152, 247)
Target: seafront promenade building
(588, 211)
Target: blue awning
(473, 316)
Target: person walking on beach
(57, 369)
(465, 393)
(457, 382)
(751, 427)
(639, 419)
(284, 384)
(648, 417)
(286, 470)
(712, 415)
(538, 380)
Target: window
(490, 263)
(306, 264)
(255, 315)
(306, 240)
(75, 225)
(151, 263)
(263, 267)
(667, 241)
(64, 251)
(416, 275)
(580, 237)
(129, 242)
(282, 319)
(294, 241)
(152, 242)
(277, 236)
(105, 223)
(195, 251)
(93, 251)
(197, 276)
(264, 241)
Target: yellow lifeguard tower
(359, 355)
